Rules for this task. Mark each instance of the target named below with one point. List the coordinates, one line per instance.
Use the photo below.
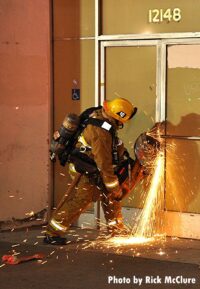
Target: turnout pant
(84, 194)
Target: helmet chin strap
(120, 125)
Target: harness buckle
(83, 149)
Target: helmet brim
(134, 112)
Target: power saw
(131, 172)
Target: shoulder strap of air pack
(85, 119)
(108, 127)
(102, 124)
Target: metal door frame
(128, 213)
(160, 70)
(186, 219)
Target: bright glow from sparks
(161, 253)
(146, 230)
(149, 213)
(130, 240)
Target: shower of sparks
(153, 201)
(145, 230)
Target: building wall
(24, 109)
(74, 68)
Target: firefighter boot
(54, 239)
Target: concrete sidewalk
(86, 264)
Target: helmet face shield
(120, 109)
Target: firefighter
(97, 143)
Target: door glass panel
(182, 176)
(131, 73)
(183, 90)
(183, 119)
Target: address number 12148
(161, 15)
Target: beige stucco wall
(24, 107)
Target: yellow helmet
(120, 109)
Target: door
(162, 79)
(131, 69)
(182, 191)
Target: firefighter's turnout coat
(98, 144)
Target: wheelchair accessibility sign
(75, 94)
